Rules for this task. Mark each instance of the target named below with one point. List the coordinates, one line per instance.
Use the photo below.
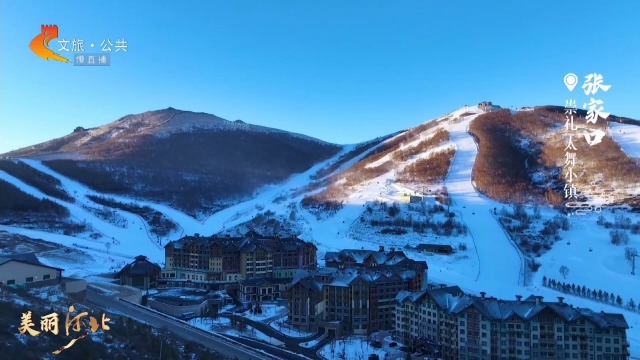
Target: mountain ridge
(160, 123)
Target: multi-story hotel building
(358, 300)
(202, 260)
(460, 326)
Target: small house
(435, 248)
(26, 269)
(141, 273)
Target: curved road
(183, 331)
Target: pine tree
(594, 294)
(600, 295)
(619, 300)
(632, 305)
(606, 297)
(544, 281)
(584, 291)
(612, 298)
(573, 288)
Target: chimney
(228, 235)
(482, 294)
(539, 300)
(392, 249)
(560, 299)
(381, 248)
(442, 285)
(519, 298)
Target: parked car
(374, 357)
(376, 344)
(393, 344)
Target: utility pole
(161, 342)
(634, 255)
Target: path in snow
(215, 223)
(500, 263)
(133, 240)
(80, 190)
(628, 137)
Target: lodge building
(201, 260)
(460, 326)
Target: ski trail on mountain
(130, 240)
(500, 263)
(213, 224)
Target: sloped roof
(317, 279)
(25, 258)
(255, 282)
(141, 266)
(360, 256)
(248, 243)
(455, 302)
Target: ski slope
(627, 136)
(125, 241)
(500, 263)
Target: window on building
(11, 282)
(30, 279)
(46, 277)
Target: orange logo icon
(40, 44)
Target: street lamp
(160, 329)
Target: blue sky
(342, 71)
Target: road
(179, 329)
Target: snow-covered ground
(97, 262)
(222, 325)
(352, 348)
(312, 343)
(280, 326)
(628, 136)
(269, 311)
(493, 264)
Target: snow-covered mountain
(453, 181)
(196, 162)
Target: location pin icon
(571, 80)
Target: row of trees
(326, 202)
(583, 291)
(212, 167)
(46, 183)
(500, 168)
(607, 158)
(358, 150)
(394, 144)
(158, 222)
(430, 169)
(16, 202)
(438, 138)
